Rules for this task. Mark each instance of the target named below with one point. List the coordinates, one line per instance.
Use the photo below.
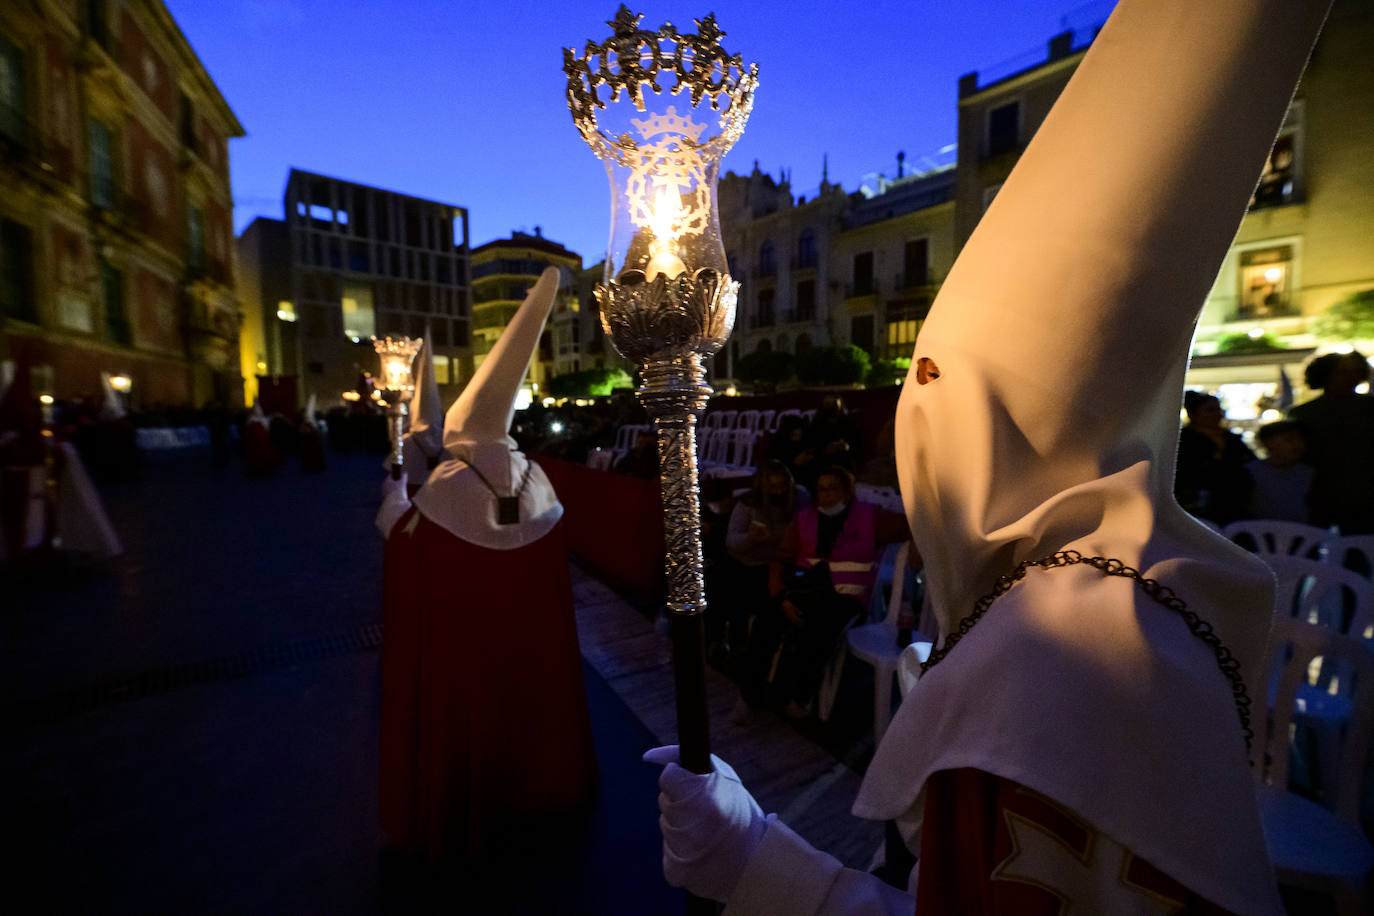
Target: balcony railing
(913, 279)
(861, 289)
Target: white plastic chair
(743, 457)
(1270, 536)
(876, 643)
(625, 436)
(1337, 549)
(1322, 848)
(884, 573)
(766, 420)
(1321, 592)
(883, 497)
(721, 419)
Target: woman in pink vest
(822, 580)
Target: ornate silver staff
(668, 302)
(397, 355)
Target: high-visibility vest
(853, 559)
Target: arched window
(768, 261)
(806, 249)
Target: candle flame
(665, 212)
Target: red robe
(484, 713)
(990, 846)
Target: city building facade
(503, 270)
(350, 262)
(116, 226)
(1304, 243)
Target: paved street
(194, 727)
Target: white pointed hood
(309, 418)
(1061, 337)
(256, 415)
(113, 407)
(477, 436)
(426, 436)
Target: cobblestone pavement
(192, 728)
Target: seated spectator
(820, 581)
(642, 459)
(833, 435)
(1282, 483)
(756, 527)
(1210, 479)
(789, 445)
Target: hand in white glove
(392, 487)
(395, 502)
(711, 825)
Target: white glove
(711, 825)
(395, 502)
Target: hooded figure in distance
(1076, 745)
(484, 714)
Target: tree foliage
(832, 366)
(1350, 319)
(589, 383)
(887, 372)
(1243, 342)
(764, 369)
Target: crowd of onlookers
(1317, 465)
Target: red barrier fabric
(614, 524)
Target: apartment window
(861, 332)
(102, 167)
(806, 300)
(1004, 128)
(112, 293)
(990, 194)
(13, 99)
(768, 262)
(359, 317)
(1266, 276)
(186, 121)
(441, 370)
(1278, 184)
(863, 273)
(97, 21)
(765, 317)
(916, 262)
(195, 238)
(806, 249)
(901, 337)
(16, 271)
(904, 320)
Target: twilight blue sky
(463, 101)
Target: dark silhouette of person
(1210, 480)
(1338, 427)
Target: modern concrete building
(503, 270)
(115, 205)
(348, 262)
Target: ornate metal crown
(633, 58)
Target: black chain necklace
(1228, 663)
